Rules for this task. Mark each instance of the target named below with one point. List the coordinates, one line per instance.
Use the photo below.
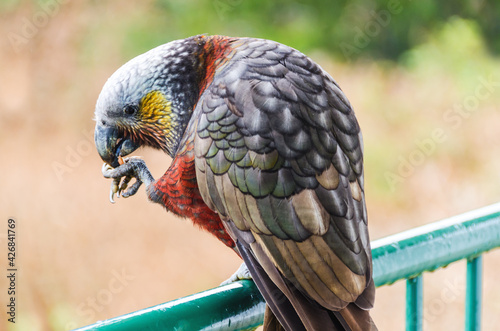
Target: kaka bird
(267, 156)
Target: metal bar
(435, 245)
(237, 306)
(473, 294)
(414, 304)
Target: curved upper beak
(110, 144)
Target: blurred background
(422, 76)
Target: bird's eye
(130, 109)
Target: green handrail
(237, 306)
(426, 248)
(406, 255)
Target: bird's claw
(241, 273)
(112, 191)
(122, 174)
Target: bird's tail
(352, 318)
(357, 319)
(271, 323)
(289, 309)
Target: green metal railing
(237, 306)
(406, 255)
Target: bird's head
(149, 101)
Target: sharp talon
(114, 189)
(111, 194)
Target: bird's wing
(279, 157)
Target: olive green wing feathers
(279, 157)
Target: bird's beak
(110, 144)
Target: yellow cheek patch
(155, 109)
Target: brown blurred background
(424, 82)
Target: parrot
(267, 155)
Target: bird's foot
(131, 167)
(241, 273)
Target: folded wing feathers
(310, 212)
(271, 163)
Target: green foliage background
(387, 28)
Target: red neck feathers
(177, 189)
(214, 54)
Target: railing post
(473, 294)
(414, 303)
